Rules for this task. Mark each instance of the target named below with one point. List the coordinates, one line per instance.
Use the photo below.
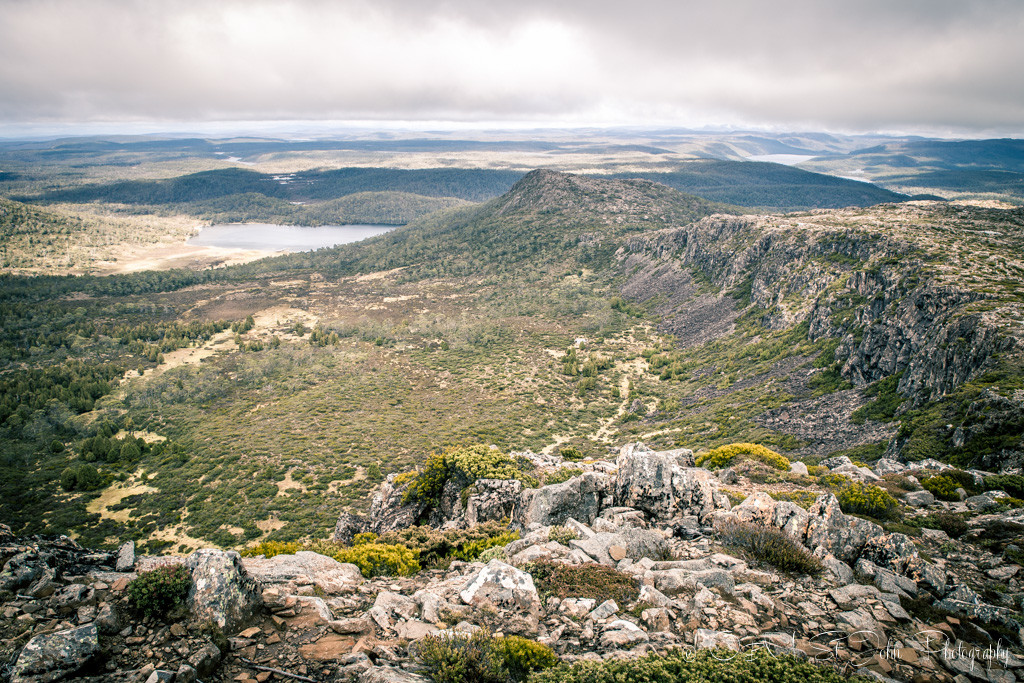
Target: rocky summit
(634, 555)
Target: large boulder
(579, 498)
(492, 499)
(222, 591)
(842, 535)
(56, 656)
(304, 568)
(664, 485)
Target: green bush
(561, 534)
(755, 666)
(377, 559)
(472, 550)
(583, 581)
(1013, 484)
(723, 456)
(858, 498)
(462, 465)
(571, 453)
(953, 524)
(769, 545)
(942, 487)
(160, 593)
(521, 657)
(437, 548)
(269, 549)
(482, 658)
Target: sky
(938, 67)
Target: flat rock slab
(329, 647)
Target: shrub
(858, 498)
(723, 456)
(495, 553)
(1013, 484)
(942, 487)
(520, 657)
(583, 581)
(561, 474)
(482, 658)
(471, 550)
(462, 465)
(755, 666)
(769, 545)
(377, 559)
(437, 548)
(571, 453)
(952, 523)
(561, 534)
(269, 549)
(160, 593)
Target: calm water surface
(283, 237)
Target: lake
(271, 237)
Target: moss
(724, 456)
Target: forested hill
(753, 184)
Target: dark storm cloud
(856, 65)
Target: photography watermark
(831, 646)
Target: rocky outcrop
(665, 485)
(580, 498)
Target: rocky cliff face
(907, 291)
(880, 293)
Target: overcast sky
(936, 66)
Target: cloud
(814, 63)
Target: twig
(279, 672)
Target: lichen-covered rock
(501, 585)
(304, 568)
(893, 551)
(387, 674)
(21, 570)
(706, 639)
(125, 557)
(842, 535)
(579, 498)
(222, 591)
(71, 597)
(56, 656)
(664, 486)
(492, 499)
